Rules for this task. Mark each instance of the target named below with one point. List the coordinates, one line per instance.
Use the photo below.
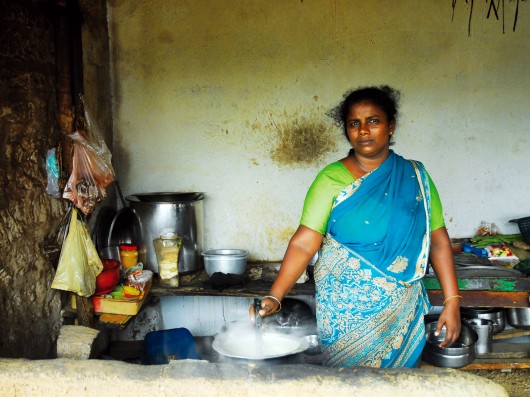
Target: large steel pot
(496, 315)
(519, 317)
(180, 213)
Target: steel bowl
(497, 315)
(458, 355)
(519, 317)
(313, 343)
(227, 261)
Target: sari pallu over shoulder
(370, 305)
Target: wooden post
(67, 37)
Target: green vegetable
(523, 267)
(484, 241)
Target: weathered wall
(229, 98)
(30, 311)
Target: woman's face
(369, 130)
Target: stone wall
(30, 311)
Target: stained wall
(230, 98)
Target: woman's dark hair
(383, 97)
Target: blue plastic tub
(170, 344)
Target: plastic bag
(54, 241)
(97, 142)
(79, 263)
(89, 178)
(487, 229)
(92, 169)
(52, 168)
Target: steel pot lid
(229, 253)
(165, 197)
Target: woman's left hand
(443, 264)
(450, 318)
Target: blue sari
(370, 301)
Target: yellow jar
(128, 255)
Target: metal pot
(484, 330)
(497, 315)
(458, 355)
(519, 317)
(227, 261)
(180, 213)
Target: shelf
(477, 290)
(258, 280)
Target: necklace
(356, 161)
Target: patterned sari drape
(369, 298)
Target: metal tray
(254, 346)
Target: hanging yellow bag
(79, 263)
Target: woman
(376, 219)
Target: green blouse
(330, 182)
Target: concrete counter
(101, 378)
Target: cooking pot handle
(258, 321)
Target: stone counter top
(101, 378)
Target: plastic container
(524, 227)
(174, 344)
(128, 255)
(109, 276)
(167, 248)
(125, 306)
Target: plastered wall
(229, 98)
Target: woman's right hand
(268, 306)
(301, 249)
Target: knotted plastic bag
(79, 263)
(91, 174)
(92, 169)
